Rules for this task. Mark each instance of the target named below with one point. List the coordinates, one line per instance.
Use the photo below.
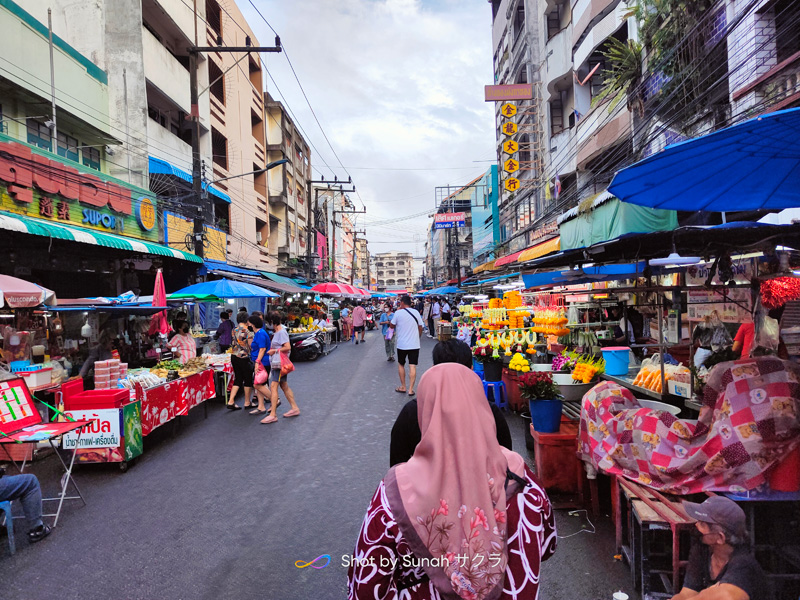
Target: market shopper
(26, 489)
(183, 343)
(720, 565)
(242, 341)
(346, 322)
(436, 314)
(359, 321)
(280, 344)
(260, 362)
(450, 522)
(407, 325)
(388, 343)
(427, 319)
(446, 315)
(406, 433)
(224, 331)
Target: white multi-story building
(394, 270)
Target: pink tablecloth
(163, 403)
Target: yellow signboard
(508, 110)
(510, 146)
(509, 128)
(178, 230)
(511, 166)
(511, 184)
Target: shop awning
(487, 266)
(72, 233)
(217, 265)
(282, 284)
(586, 275)
(508, 259)
(552, 245)
(156, 165)
(749, 166)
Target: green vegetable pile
(170, 365)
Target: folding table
(20, 422)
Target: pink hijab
(449, 499)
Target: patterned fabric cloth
(748, 423)
(242, 339)
(375, 575)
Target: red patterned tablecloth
(164, 402)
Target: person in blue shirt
(258, 354)
(384, 321)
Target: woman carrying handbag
(281, 367)
(258, 354)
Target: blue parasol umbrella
(749, 166)
(447, 289)
(211, 291)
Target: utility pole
(335, 183)
(197, 165)
(340, 212)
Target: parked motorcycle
(370, 321)
(306, 346)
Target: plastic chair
(499, 394)
(9, 523)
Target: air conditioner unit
(258, 237)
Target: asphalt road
(224, 507)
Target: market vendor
(306, 320)
(102, 351)
(743, 340)
(720, 567)
(184, 344)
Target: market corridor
(226, 507)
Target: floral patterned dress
(384, 568)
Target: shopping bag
(389, 334)
(286, 364)
(261, 374)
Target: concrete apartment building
(361, 275)
(290, 210)
(142, 45)
(394, 270)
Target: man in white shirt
(407, 327)
(436, 314)
(446, 316)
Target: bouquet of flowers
(485, 353)
(566, 361)
(538, 385)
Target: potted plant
(544, 400)
(491, 360)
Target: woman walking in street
(241, 341)
(346, 320)
(464, 517)
(280, 343)
(426, 316)
(260, 360)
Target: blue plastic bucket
(545, 415)
(617, 359)
(477, 367)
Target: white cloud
(395, 83)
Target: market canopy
(752, 165)
(330, 288)
(18, 293)
(211, 291)
(447, 289)
(585, 275)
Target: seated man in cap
(720, 566)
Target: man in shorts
(407, 325)
(359, 321)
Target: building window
(219, 148)
(214, 16)
(216, 82)
(91, 157)
(39, 134)
(556, 116)
(787, 29)
(67, 147)
(519, 20)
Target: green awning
(22, 224)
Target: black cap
(720, 510)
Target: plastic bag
(767, 329)
(286, 364)
(720, 337)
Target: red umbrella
(158, 322)
(330, 289)
(18, 293)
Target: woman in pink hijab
(463, 518)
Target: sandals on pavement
(258, 412)
(233, 407)
(291, 413)
(399, 391)
(269, 420)
(38, 534)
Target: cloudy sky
(398, 88)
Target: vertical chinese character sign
(510, 147)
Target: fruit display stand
(163, 403)
(114, 434)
